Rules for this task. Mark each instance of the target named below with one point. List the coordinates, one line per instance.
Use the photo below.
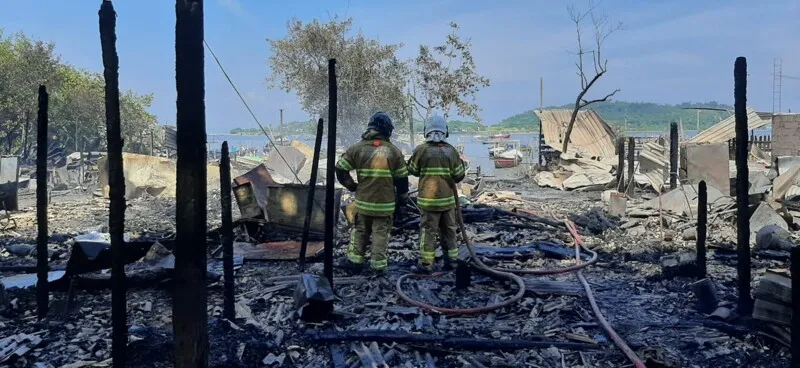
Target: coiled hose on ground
(478, 265)
(511, 275)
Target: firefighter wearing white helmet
(438, 166)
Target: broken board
(276, 251)
(776, 288)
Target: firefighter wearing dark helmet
(382, 183)
(438, 166)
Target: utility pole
(411, 120)
(698, 122)
(280, 128)
(541, 110)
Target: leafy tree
(24, 65)
(445, 78)
(77, 108)
(369, 75)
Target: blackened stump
(742, 184)
(312, 188)
(116, 183)
(42, 295)
(463, 276)
(189, 303)
(227, 232)
(329, 182)
(702, 220)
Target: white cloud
(234, 6)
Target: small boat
(494, 151)
(501, 136)
(507, 159)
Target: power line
(257, 121)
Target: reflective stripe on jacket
(437, 165)
(377, 163)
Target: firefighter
(382, 184)
(438, 166)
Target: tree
(77, 108)
(24, 65)
(602, 29)
(446, 78)
(369, 75)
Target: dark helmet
(381, 122)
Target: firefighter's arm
(400, 176)
(413, 163)
(458, 169)
(343, 168)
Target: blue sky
(671, 51)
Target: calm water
(477, 152)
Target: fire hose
(511, 275)
(478, 265)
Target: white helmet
(436, 123)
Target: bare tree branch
(585, 103)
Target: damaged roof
(726, 129)
(591, 135)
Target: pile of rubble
(513, 224)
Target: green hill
(637, 116)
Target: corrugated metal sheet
(726, 129)
(591, 136)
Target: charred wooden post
(702, 220)
(742, 184)
(312, 189)
(116, 184)
(329, 204)
(227, 232)
(621, 165)
(673, 155)
(631, 158)
(42, 294)
(189, 315)
(795, 307)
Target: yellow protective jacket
(379, 167)
(438, 166)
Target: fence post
(190, 299)
(742, 184)
(116, 185)
(228, 309)
(42, 293)
(329, 177)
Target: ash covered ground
(655, 314)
